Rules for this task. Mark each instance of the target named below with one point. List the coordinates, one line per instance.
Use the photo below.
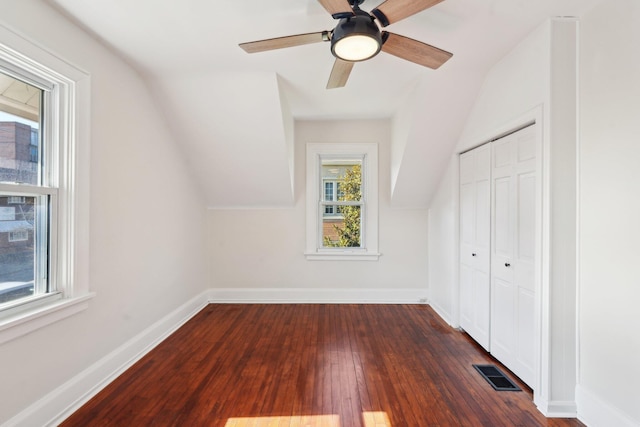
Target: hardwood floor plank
(311, 365)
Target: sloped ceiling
(232, 111)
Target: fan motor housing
(360, 24)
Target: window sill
(342, 256)
(28, 321)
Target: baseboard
(56, 406)
(595, 412)
(443, 314)
(557, 408)
(317, 295)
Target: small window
(342, 221)
(18, 236)
(342, 202)
(13, 200)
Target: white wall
(443, 247)
(609, 212)
(264, 248)
(146, 220)
(232, 137)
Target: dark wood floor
(311, 365)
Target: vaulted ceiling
(234, 112)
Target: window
(34, 147)
(330, 194)
(23, 108)
(342, 202)
(43, 187)
(18, 236)
(12, 200)
(342, 221)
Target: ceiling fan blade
(414, 51)
(337, 8)
(339, 74)
(282, 42)
(392, 11)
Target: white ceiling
(176, 43)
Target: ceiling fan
(358, 37)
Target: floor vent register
(498, 380)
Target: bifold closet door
(513, 238)
(475, 239)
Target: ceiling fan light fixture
(357, 47)
(356, 38)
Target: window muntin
(26, 222)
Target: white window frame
(315, 190)
(68, 134)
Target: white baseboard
(595, 412)
(443, 314)
(318, 295)
(557, 408)
(56, 406)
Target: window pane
(18, 219)
(344, 230)
(342, 178)
(347, 174)
(328, 191)
(19, 131)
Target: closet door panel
(524, 255)
(525, 333)
(502, 325)
(466, 297)
(475, 243)
(482, 312)
(467, 233)
(467, 223)
(502, 225)
(483, 224)
(513, 250)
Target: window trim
(70, 254)
(314, 186)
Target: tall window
(342, 202)
(44, 171)
(26, 191)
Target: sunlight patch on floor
(376, 419)
(370, 419)
(293, 421)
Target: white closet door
(513, 252)
(475, 240)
